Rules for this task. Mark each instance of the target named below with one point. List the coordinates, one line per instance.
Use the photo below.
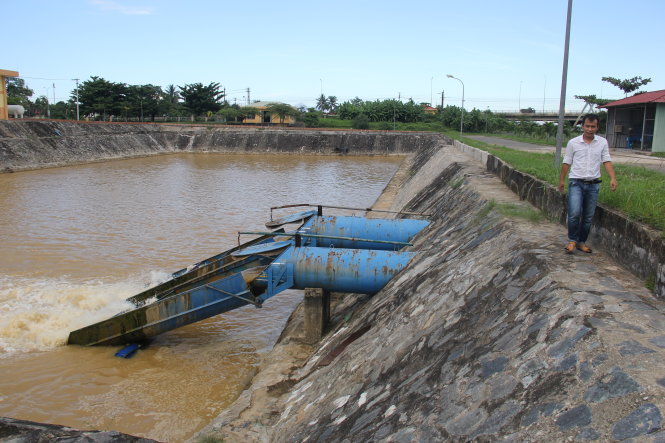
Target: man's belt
(593, 181)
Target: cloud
(110, 5)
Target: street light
(77, 98)
(562, 100)
(431, 96)
(461, 125)
(48, 105)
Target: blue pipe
(361, 271)
(398, 230)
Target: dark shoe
(570, 248)
(584, 248)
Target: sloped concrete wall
(34, 144)
(492, 333)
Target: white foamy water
(38, 314)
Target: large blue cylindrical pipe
(397, 230)
(344, 270)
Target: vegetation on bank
(640, 195)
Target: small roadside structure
(637, 122)
(263, 116)
(4, 115)
(429, 109)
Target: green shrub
(311, 119)
(361, 121)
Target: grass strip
(640, 195)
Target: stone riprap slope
(492, 333)
(23, 431)
(30, 144)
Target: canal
(76, 241)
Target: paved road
(624, 156)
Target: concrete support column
(317, 314)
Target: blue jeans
(582, 199)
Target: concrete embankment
(492, 333)
(37, 144)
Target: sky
(508, 54)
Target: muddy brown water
(76, 241)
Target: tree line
(100, 99)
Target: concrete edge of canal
(491, 333)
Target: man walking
(583, 157)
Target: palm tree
(172, 94)
(322, 103)
(332, 103)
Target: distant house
(637, 122)
(262, 116)
(428, 109)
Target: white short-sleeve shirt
(585, 158)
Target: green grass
(640, 195)
(525, 138)
(484, 211)
(650, 283)
(457, 183)
(658, 154)
(525, 212)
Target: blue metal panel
(195, 305)
(399, 230)
(210, 297)
(262, 248)
(293, 218)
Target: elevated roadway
(538, 116)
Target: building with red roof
(637, 122)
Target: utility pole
(544, 89)
(77, 98)
(248, 101)
(443, 94)
(431, 99)
(562, 100)
(48, 105)
(54, 93)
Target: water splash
(38, 314)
